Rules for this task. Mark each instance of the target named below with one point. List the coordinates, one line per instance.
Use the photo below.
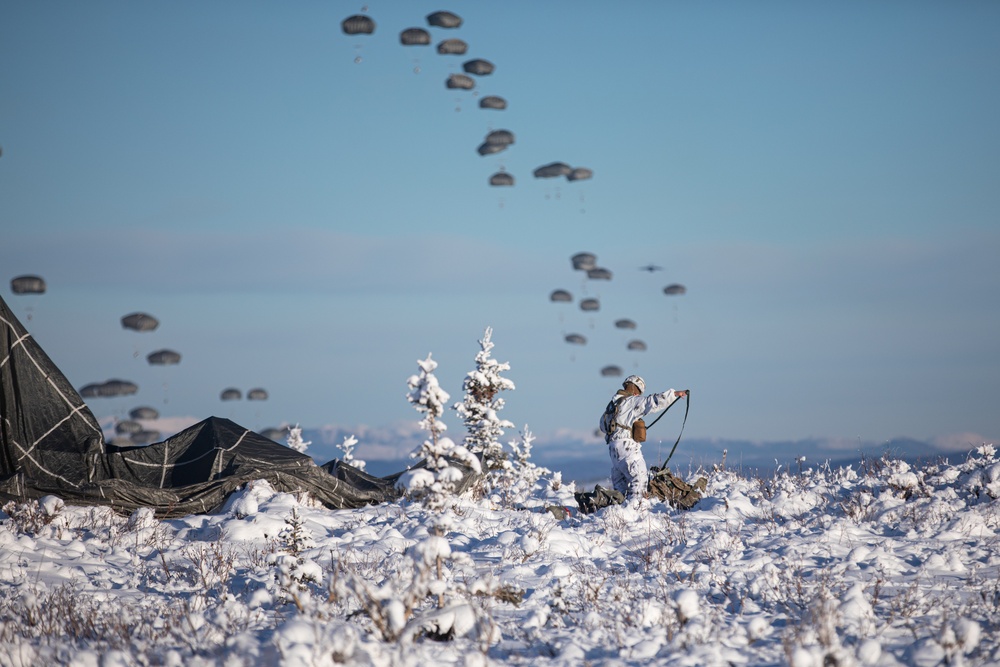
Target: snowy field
(883, 565)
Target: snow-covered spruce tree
(480, 406)
(347, 446)
(436, 482)
(295, 440)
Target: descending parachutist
(357, 60)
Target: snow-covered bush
(295, 440)
(480, 406)
(435, 482)
(347, 447)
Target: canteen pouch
(639, 431)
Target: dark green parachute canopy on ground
(27, 285)
(359, 24)
(51, 444)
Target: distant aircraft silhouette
(651, 268)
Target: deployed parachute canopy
(163, 357)
(552, 170)
(28, 285)
(452, 47)
(276, 434)
(128, 426)
(671, 290)
(501, 178)
(444, 20)
(231, 394)
(576, 339)
(590, 304)
(611, 371)
(501, 137)
(561, 295)
(140, 322)
(637, 345)
(460, 81)
(478, 66)
(598, 273)
(415, 37)
(584, 261)
(492, 102)
(579, 174)
(144, 412)
(486, 148)
(359, 24)
(625, 324)
(109, 389)
(257, 395)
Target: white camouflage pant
(628, 468)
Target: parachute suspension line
(687, 407)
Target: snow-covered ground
(886, 565)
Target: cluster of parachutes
(495, 141)
(130, 429)
(587, 263)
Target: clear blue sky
(824, 177)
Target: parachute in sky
(359, 24)
(109, 389)
(452, 47)
(257, 394)
(501, 137)
(163, 358)
(579, 174)
(561, 295)
(128, 426)
(598, 273)
(611, 371)
(140, 322)
(584, 261)
(637, 345)
(674, 289)
(478, 66)
(552, 170)
(576, 339)
(460, 81)
(415, 37)
(501, 178)
(487, 148)
(625, 324)
(444, 20)
(590, 304)
(231, 394)
(144, 412)
(144, 437)
(492, 102)
(276, 434)
(28, 285)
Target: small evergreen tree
(295, 440)
(481, 404)
(348, 448)
(436, 482)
